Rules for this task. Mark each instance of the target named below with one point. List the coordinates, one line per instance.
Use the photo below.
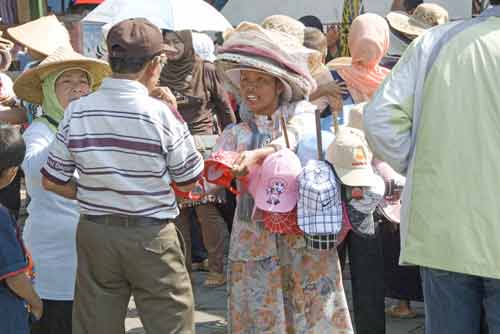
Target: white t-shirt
(50, 231)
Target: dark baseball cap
(135, 38)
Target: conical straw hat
(44, 35)
(28, 85)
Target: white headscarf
(204, 46)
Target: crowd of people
(140, 167)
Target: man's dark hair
(312, 21)
(128, 65)
(12, 148)
(410, 5)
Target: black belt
(126, 221)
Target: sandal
(399, 313)
(214, 280)
(200, 266)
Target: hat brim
(225, 62)
(406, 24)
(28, 86)
(234, 75)
(339, 62)
(357, 177)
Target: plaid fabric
(319, 209)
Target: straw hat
(285, 24)
(339, 62)
(5, 43)
(28, 85)
(425, 16)
(5, 56)
(44, 35)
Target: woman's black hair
(410, 5)
(12, 148)
(312, 21)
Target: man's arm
(67, 190)
(21, 285)
(388, 117)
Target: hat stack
(251, 47)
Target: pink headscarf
(368, 44)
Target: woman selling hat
(199, 94)
(51, 225)
(276, 284)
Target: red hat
(218, 169)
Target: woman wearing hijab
(50, 231)
(199, 95)
(276, 284)
(368, 43)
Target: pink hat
(274, 187)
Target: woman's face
(173, 40)
(71, 85)
(261, 92)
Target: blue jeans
(453, 302)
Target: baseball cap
(350, 156)
(135, 38)
(319, 209)
(275, 187)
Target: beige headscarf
(368, 43)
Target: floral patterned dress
(275, 284)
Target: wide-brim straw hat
(28, 86)
(43, 36)
(425, 16)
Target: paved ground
(211, 310)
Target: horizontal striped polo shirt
(127, 148)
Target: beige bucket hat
(28, 85)
(425, 16)
(44, 35)
(352, 159)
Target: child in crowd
(16, 289)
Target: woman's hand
(165, 94)
(241, 166)
(334, 89)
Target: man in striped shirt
(127, 148)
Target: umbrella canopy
(166, 14)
